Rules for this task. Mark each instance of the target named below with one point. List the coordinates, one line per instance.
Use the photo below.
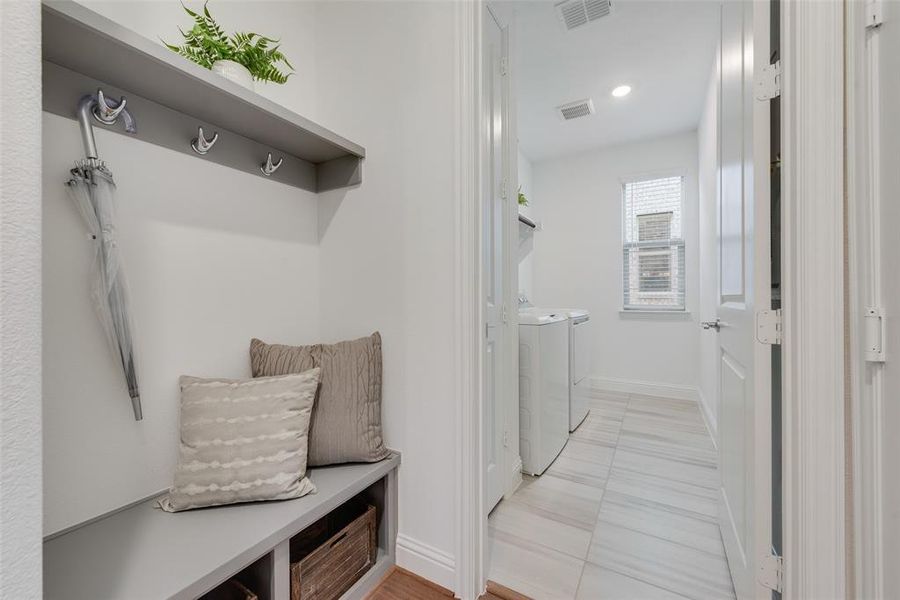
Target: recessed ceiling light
(621, 91)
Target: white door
(744, 367)
(492, 245)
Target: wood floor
(628, 510)
(400, 584)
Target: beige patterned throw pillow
(243, 440)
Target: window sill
(656, 315)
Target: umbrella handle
(136, 407)
(105, 111)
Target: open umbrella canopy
(92, 189)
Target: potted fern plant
(240, 57)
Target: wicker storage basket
(231, 590)
(332, 568)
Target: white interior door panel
(744, 364)
(493, 261)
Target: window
(654, 227)
(655, 271)
(653, 247)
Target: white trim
(812, 274)
(712, 426)
(864, 197)
(469, 576)
(426, 561)
(661, 315)
(646, 388)
(657, 174)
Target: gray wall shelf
(143, 552)
(171, 96)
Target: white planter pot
(233, 71)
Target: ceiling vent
(577, 109)
(575, 13)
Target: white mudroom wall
(708, 146)
(213, 257)
(386, 78)
(292, 22)
(578, 260)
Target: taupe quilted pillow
(243, 440)
(346, 418)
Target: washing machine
(543, 388)
(578, 320)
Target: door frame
(813, 412)
(468, 309)
(468, 343)
(813, 300)
(867, 389)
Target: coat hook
(268, 168)
(200, 144)
(107, 111)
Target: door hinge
(503, 315)
(768, 326)
(506, 439)
(504, 65)
(503, 190)
(874, 16)
(771, 572)
(768, 83)
(874, 332)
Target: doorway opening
(627, 268)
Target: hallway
(628, 510)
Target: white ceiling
(663, 49)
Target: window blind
(652, 244)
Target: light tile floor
(627, 511)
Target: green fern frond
(272, 74)
(274, 55)
(206, 42)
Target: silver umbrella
(92, 188)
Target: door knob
(717, 324)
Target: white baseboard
(426, 561)
(708, 419)
(646, 388)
